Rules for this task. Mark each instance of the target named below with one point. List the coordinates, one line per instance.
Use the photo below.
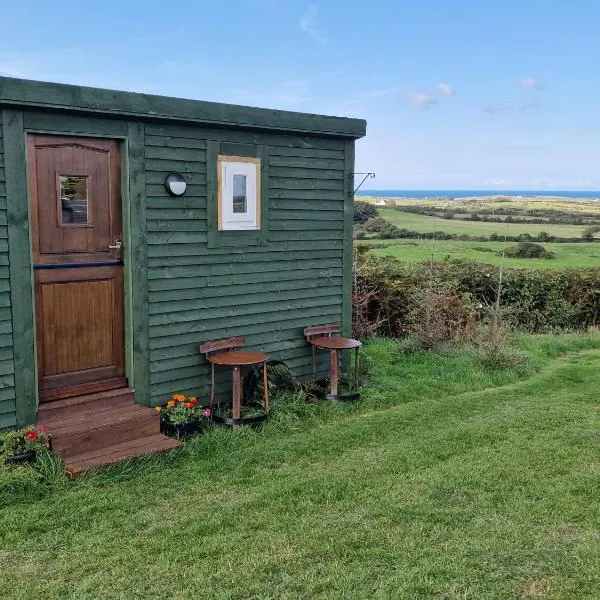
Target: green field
(567, 255)
(521, 203)
(426, 224)
(445, 481)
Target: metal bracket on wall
(366, 176)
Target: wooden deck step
(94, 430)
(78, 464)
(101, 429)
(60, 409)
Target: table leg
(266, 387)
(237, 395)
(333, 373)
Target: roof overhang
(61, 97)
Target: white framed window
(239, 194)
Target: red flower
(31, 435)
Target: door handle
(116, 249)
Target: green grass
(425, 224)
(567, 255)
(523, 204)
(446, 481)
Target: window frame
(227, 167)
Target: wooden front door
(75, 195)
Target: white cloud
(445, 89)
(308, 24)
(421, 99)
(530, 82)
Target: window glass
(73, 199)
(240, 194)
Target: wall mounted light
(175, 184)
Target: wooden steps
(100, 429)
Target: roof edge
(60, 96)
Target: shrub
(528, 250)
(532, 300)
(438, 316)
(363, 211)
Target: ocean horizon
(446, 193)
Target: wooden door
(75, 196)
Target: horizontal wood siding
(7, 369)
(266, 293)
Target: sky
(462, 94)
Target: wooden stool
(321, 336)
(225, 353)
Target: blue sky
(457, 94)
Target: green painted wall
(189, 284)
(267, 293)
(7, 381)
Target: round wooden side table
(334, 345)
(238, 359)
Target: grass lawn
(446, 481)
(425, 224)
(567, 255)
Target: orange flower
(193, 401)
(188, 405)
(158, 409)
(171, 404)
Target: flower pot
(178, 430)
(21, 458)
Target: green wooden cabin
(259, 244)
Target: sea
(595, 195)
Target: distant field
(567, 255)
(570, 205)
(425, 224)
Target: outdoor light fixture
(175, 184)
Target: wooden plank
(178, 153)
(270, 257)
(175, 164)
(44, 122)
(162, 200)
(166, 226)
(289, 341)
(7, 407)
(139, 262)
(347, 236)
(200, 250)
(291, 183)
(176, 142)
(196, 178)
(20, 266)
(174, 295)
(296, 162)
(333, 226)
(217, 281)
(229, 306)
(150, 107)
(303, 269)
(175, 214)
(285, 151)
(8, 420)
(245, 137)
(250, 330)
(313, 173)
(157, 190)
(306, 310)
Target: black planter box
(178, 430)
(21, 458)
(256, 422)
